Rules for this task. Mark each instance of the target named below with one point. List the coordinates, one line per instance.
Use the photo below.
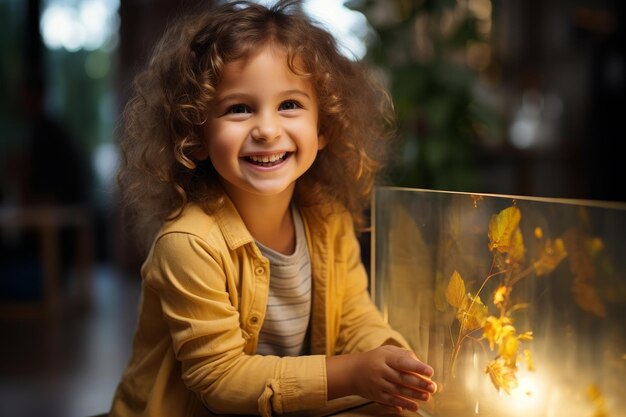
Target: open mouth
(267, 160)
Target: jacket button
(254, 319)
(259, 270)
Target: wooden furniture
(47, 222)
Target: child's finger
(412, 393)
(414, 382)
(400, 402)
(409, 363)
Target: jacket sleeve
(362, 327)
(209, 342)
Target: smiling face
(262, 130)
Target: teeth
(268, 158)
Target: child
(252, 145)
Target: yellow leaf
(501, 228)
(507, 329)
(492, 330)
(500, 294)
(552, 254)
(595, 245)
(455, 293)
(496, 328)
(587, 298)
(525, 336)
(517, 249)
(502, 376)
(474, 316)
(581, 261)
(508, 346)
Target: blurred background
(510, 97)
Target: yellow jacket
(205, 288)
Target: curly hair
(162, 122)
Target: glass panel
(518, 303)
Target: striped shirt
(284, 331)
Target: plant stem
(521, 275)
(457, 347)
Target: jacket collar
(236, 233)
(232, 226)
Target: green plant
(423, 49)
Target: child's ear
(321, 142)
(202, 153)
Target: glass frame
(517, 302)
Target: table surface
(373, 409)
(355, 406)
(352, 406)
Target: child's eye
(238, 108)
(289, 105)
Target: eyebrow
(296, 92)
(243, 96)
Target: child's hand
(388, 375)
(393, 376)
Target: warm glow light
(528, 399)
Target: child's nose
(267, 127)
